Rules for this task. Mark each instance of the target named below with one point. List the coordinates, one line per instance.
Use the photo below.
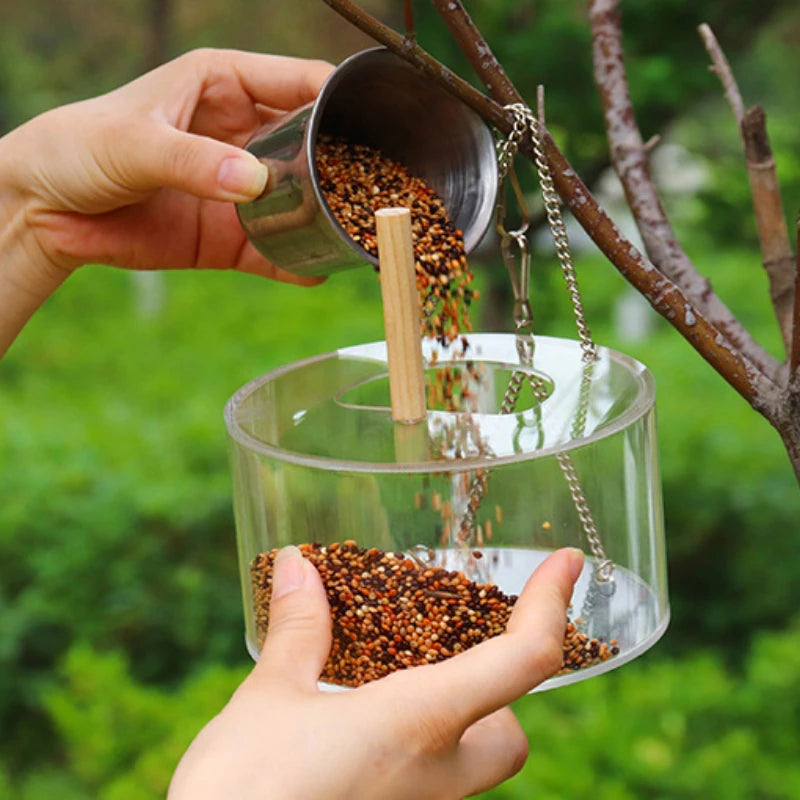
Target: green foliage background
(120, 617)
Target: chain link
(526, 122)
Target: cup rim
(315, 119)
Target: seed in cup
(356, 181)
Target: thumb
(199, 165)
(299, 634)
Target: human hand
(143, 177)
(432, 732)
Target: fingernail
(289, 572)
(242, 177)
(575, 563)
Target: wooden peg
(401, 315)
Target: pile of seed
(356, 181)
(390, 612)
(581, 651)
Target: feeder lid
(333, 412)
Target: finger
(299, 633)
(473, 684)
(252, 262)
(163, 237)
(198, 165)
(277, 81)
(490, 752)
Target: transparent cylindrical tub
(484, 496)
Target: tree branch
(720, 66)
(630, 161)
(477, 51)
(776, 249)
(663, 295)
(423, 61)
(667, 298)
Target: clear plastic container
(317, 459)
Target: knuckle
(199, 56)
(179, 161)
(545, 658)
(433, 736)
(430, 733)
(293, 619)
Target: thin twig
(408, 9)
(776, 249)
(630, 161)
(540, 107)
(667, 298)
(720, 66)
(652, 143)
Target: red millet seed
(389, 613)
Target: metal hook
(519, 273)
(521, 205)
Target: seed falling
(356, 181)
(391, 611)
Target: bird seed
(389, 611)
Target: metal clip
(516, 252)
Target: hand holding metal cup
(376, 99)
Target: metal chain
(605, 567)
(526, 121)
(480, 483)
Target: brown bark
(477, 51)
(631, 164)
(776, 252)
(720, 65)
(665, 295)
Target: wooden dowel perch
(401, 314)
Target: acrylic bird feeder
(426, 524)
(316, 459)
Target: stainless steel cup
(373, 98)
